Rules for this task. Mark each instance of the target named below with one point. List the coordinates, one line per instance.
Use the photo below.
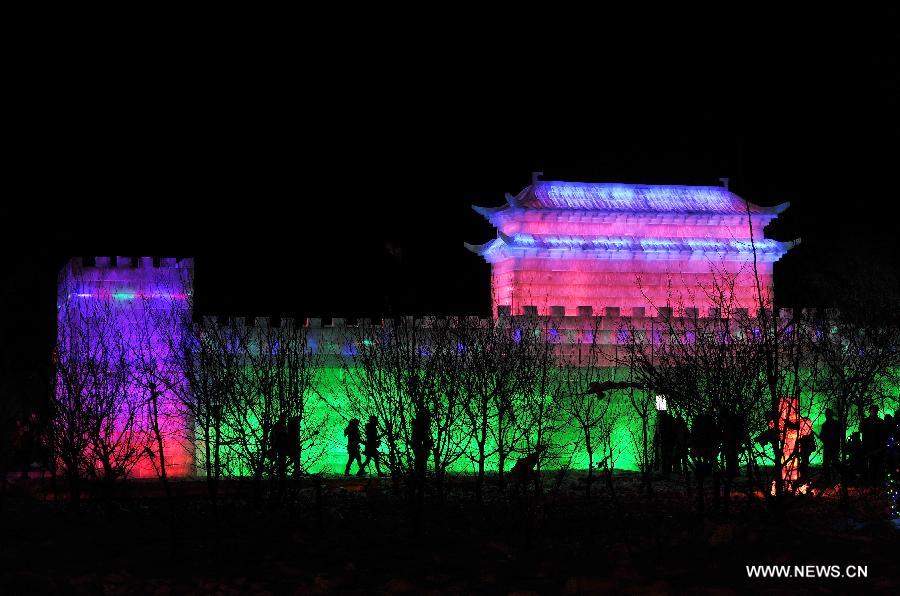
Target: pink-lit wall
(729, 228)
(625, 283)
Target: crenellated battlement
(125, 279)
(336, 336)
(122, 262)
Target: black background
(318, 189)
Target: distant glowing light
(660, 402)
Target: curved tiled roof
(605, 196)
(632, 245)
(606, 243)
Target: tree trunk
(501, 455)
(208, 464)
(217, 458)
(590, 454)
(479, 477)
(163, 475)
(647, 461)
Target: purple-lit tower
(570, 248)
(119, 324)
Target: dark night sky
(289, 194)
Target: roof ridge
(634, 184)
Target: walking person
(353, 441)
(373, 441)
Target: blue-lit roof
(631, 245)
(763, 245)
(605, 196)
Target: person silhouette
(277, 448)
(873, 441)
(373, 441)
(353, 441)
(830, 435)
(523, 471)
(664, 441)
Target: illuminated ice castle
(567, 248)
(592, 256)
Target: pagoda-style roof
(631, 198)
(627, 247)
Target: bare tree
(396, 374)
(449, 439)
(858, 354)
(541, 416)
(714, 370)
(490, 381)
(585, 371)
(97, 430)
(274, 389)
(208, 363)
(158, 379)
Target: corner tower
(120, 332)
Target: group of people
(671, 444)
(869, 459)
(371, 443)
(284, 445)
(675, 443)
(357, 446)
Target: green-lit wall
(335, 409)
(333, 390)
